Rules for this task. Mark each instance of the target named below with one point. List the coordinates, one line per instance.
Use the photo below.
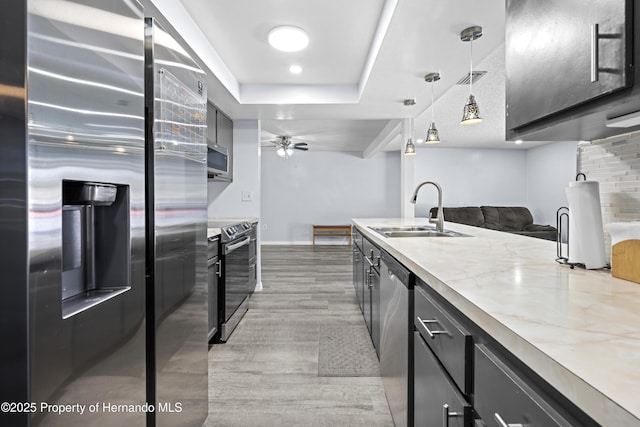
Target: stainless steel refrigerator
(176, 106)
(102, 220)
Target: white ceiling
(364, 58)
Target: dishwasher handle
(395, 270)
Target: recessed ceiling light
(288, 38)
(419, 141)
(295, 69)
(518, 141)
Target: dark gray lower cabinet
(371, 289)
(437, 401)
(358, 273)
(502, 398)
(374, 287)
(450, 342)
(366, 282)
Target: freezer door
(85, 124)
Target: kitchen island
(579, 330)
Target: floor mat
(346, 351)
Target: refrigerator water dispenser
(96, 261)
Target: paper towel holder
(562, 217)
(563, 213)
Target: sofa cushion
(462, 215)
(539, 227)
(506, 218)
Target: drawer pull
(502, 423)
(432, 334)
(371, 276)
(446, 415)
(219, 268)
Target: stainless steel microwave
(217, 159)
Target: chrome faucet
(439, 219)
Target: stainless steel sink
(415, 231)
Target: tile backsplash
(615, 164)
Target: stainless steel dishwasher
(396, 347)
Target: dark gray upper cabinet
(566, 59)
(224, 135)
(220, 132)
(212, 134)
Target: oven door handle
(234, 246)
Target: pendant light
(410, 149)
(471, 112)
(432, 133)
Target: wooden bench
(331, 231)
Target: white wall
(470, 177)
(324, 187)
(333, 187)
(225, 198)
(549, 169)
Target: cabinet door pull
(367, 275)
(371, 276)
(446, 415)
(219, 268)
(595, 53)
(502, 423)
(432, 334)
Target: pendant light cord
(411, 128)
(471, 66)
(432, 106)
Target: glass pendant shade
(289, 151)
(471, 112)
(432, 135)
(280, 152)
(410, 149)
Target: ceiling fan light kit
(471, 111)
(285, 146)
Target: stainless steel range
(238, 266)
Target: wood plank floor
(266, 374)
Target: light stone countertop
(213, 231)
(222, 222)
(578, 329)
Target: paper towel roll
(586, 233)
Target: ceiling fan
(285, 146)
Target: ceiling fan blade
(300, 144)
(301, 148)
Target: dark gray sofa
(511, 219)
